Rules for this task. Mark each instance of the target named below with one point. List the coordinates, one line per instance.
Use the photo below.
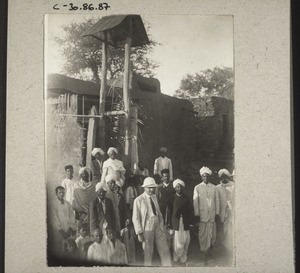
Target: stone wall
(214, 126)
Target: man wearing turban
(101, 209)
(113, 166)
(97, 163)
(206, 207)
(84, 192)
(110, 181)
(225, 222)
(180, 219)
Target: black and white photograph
(139, 137)
(149, 135)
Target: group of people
(105, 218)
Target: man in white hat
(148, 224)
(97, 163)
(225, 222)
(206, 207)
(101, 209)
(163, 162)
(113, 166)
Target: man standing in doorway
(206, 207)
(148, 224)
(163, 162)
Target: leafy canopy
(84, 55)
(210, 82)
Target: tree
(83, 55)
(216, 82)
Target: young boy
(71, 250)
(68, 183)
(62, 221)
(130, 194)
(116, 249)
(97, 251)
(82, 239)
(128, 238)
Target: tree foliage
(210, 82)
(83, 54)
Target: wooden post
(91, 136)
(102, 95)
(83, 111)
(126, 92)
(134, 135)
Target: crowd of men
(106, 218)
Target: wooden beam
(102, 95)
(126, 91)
(108, 113)
(83, 110)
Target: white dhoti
(181, 243)
(207, 235)
(228, 236)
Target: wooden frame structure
(117, 31)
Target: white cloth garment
(113, 167)
(97, 150)
(61, 218)
(162, 163)
(204, 170)
(98, 252)
(69, 188)
(181, 243)
(151, 226)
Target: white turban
(97, 150)
(178, 181)
(82, 169)
(163, 149)
(99, 186)
(111, 177)
(112, 149)
(119, 183)
(204, 170)
(224, 172)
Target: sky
(188, 44)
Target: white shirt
(163, 163)
(98, 252)
(150, 210)
(103, 204)
(69, 188)
(62, 216)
